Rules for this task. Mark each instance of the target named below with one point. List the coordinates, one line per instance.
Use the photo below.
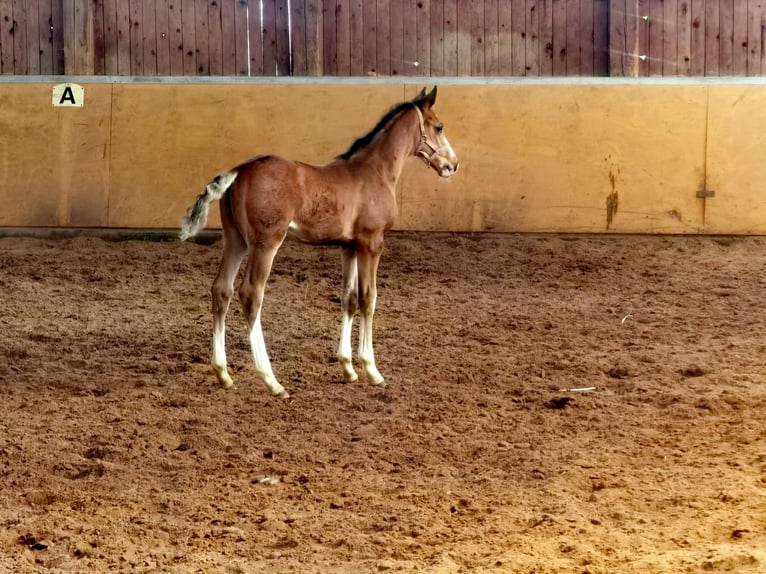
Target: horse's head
(433, 147)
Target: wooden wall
(384, 37)
(136, 155)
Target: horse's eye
(439, 129)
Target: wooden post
(78, 38)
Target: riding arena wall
(589, 155)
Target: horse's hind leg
(349, 305)
(234, 250)
(251, 292)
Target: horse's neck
(391, 150)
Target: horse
(350, 202)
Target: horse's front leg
(349, 306)
(367, 265)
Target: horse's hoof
(228, 384)
(283, 395)
(381, 383)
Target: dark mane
(365, 140)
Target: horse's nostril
(457, 165)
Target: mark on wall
(612, 200)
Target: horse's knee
(351, 302)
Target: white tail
(197, 216)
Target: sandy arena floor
(118, 452)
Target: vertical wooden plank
(396, 42)
(763, 40)
(283, 38)
(740, 31)
(136, 34)
(383, 42)
(20, 35)
(356, 29)
(617, 40)
(450, 38)
(111, 67)
(162, 31)
(546, 37)
(57, 16)
(46, 37)
(640, 57)
(754, 45)
(215, 37)
(559, 38)
(329, 35)
(343, 37)
(241, 32)
(601, 37)
(533, 38)
(464, 10)
(298, 17)
(586, 37)
(123, 37)
(78, 34)
(33, 37)
(670, 38)
(412, 65)
(505, 47)
(189, 37)
(150, 37)
(518, 38)
(697, 48)
(654, 52)
(175, 37)
(712, 42)
(574, 32)
(491, 38)
(423, 34)
(229, 38)
(726, 33)
(477, 37)
(6, 36)
(201, 34)
(257, 41)
(370, 48)
(684, 32)
(314, 40)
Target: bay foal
(350, 202)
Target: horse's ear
(431, 98)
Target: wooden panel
(201, 33)
(477, 37)
(726, 34)
(587, 35)
(215, 37)
(383, 27)
(573, 38)
(533, 38)
(314, 40)
(330, 39)
(464, 11)
(111, 50)
(740, 40)
(162, 28)
(559, 38)
(257, 42)
(684, 36)
(343, 35)
(300, 66)
(228, 38)
(423, 34)
(356, 31)
(283, 39)
(46, 35)
(99, 37)
(640, 58)
(655, 46)
(712, 45)
(436, 49)
(20, 65)
(396, 42)
(150, 38)
(670, 38)
(450, 38)
(241, 32)
(505, 43)
(601, 37)
(189, 37)
(176, 41)
(136, 26)
(73, 187)
(546, 37)
(754, 44)
(33, 37)
(370, 49)
(735, 168)
(491, 39)
(6, 37)
(122, 11)
(518, 38)
(697, 50)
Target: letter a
(67, 96)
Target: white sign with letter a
(68, 95)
